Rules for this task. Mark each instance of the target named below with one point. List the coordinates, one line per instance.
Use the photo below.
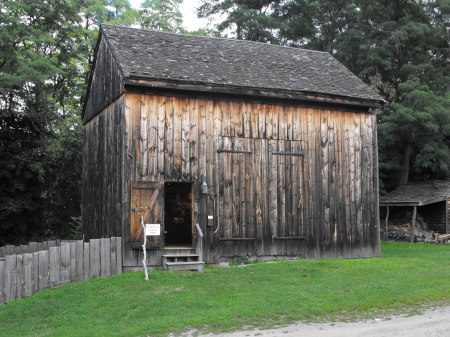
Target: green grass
(405, 277)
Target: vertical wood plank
(32, 247)
(113, 255)
(202, 140)
(169, 137)
(43, 269)
(27, 280)
(105, 257)
(161, 123)
(86, 264)
(273, 197)
(10, 278)
(19, 277)
(325, 170)
(80, 260)
(185, 139)
(119, 255)
(194, 140)
(65, 262)
(55, 266)
(35, 272)
(2, 282)
(94, 258)
(73, 261)
(177, 138)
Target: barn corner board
(271, 150)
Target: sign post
(149, 229)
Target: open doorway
(178, 214)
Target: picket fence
(23, 275)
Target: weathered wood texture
(106, 81)
(283, 180)
(104, 171)
(31, 247)
(25, 274)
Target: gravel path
(433, 322)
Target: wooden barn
(271, 150)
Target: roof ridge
(216, 38)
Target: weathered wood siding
(106, 176)
(106, 81)
(283, 180)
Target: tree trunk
(404, 170)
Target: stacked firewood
(399, 228)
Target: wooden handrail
(199, 230)
(199, 242)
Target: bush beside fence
(23, 275)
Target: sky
(188, 9)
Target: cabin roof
(417, 194)
(177, 58)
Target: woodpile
(399, 229)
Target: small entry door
(178, 214)
(146, 201)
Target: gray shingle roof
(145, 54)
(417, 193)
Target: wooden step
(182, 262)
(192, 265)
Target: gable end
(105, 82)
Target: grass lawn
(406, 276)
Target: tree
(244, 19)
(161, 15)
(415, 134)
(35, 47)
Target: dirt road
(434, 322)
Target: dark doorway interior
(178, 213)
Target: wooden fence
(23, 275)
(31, 247)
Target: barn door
(146, 201)
(286, 213)
(236, 189)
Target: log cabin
(231, 148)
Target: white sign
(152, 229)
(210, 217)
